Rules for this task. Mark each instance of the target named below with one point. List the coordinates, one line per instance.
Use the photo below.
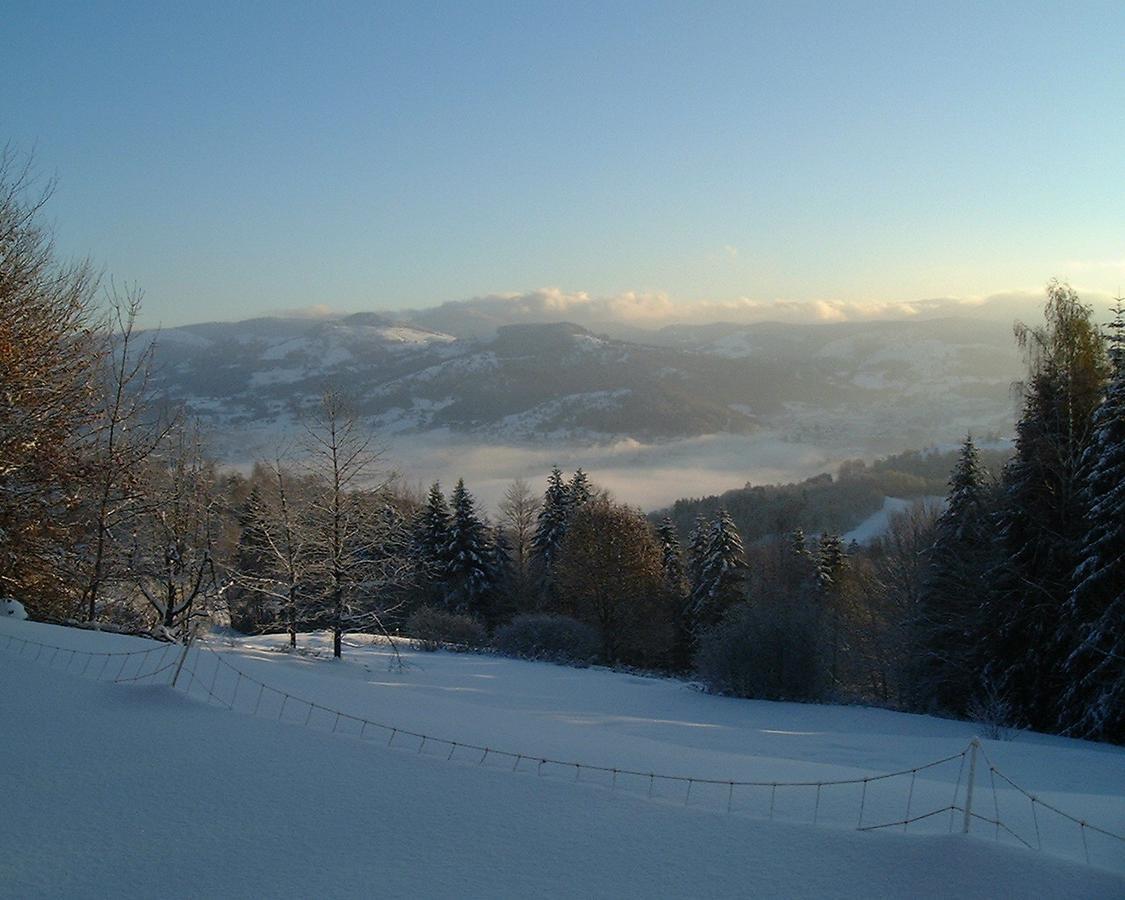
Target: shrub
(549, 637)
(431, 628)
(766, 654)
(992, 711)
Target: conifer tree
(799, 543)
(502, 600)
(698, 540)
(798, 569)
(468, 571)
(831, 561)
(578, 491)
(671, 554)
(949, 615)
(550, 530)
(1094, 703)
(675, 583)
(831, 565)
(431, 543)
(722, 577)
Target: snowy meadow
(365, 776)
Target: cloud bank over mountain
(483, 314)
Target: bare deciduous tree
(124, 437)
(519, 512)
(610, 575)
(357, 544)
(172, 564)
(283, 543)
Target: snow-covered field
(138, 789)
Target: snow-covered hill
(137, 789)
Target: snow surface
(879, 522)
(113, 789)
(13, 609)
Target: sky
(240, 159)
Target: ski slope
(139, 789)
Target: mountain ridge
(909, 383)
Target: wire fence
(942, 796)
(118, 667)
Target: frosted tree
(672, 559)
(172, 564)
(550, 529)
(359, 562)
(831, 560)
(722, 575)
(831, 568)
(1094, 703)
(123, 438)
(518, 513)
(283, 539)
(798, 543)
(797, 566)
(469, 566)
(431, 545)
(578, 491)
(698, 541)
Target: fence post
(974, 745)
(183, 657)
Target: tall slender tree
(431, 546)
(946, 670)
(518, 512)
(831, 568)
(676, 586)
(124, 437)
(356, 558)
(1042, 519)
(550, 530)
(287, 542)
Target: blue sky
(237, 159)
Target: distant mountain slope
(889, 384)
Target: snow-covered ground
(879, 522)
(137, 789)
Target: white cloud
(656, 309)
